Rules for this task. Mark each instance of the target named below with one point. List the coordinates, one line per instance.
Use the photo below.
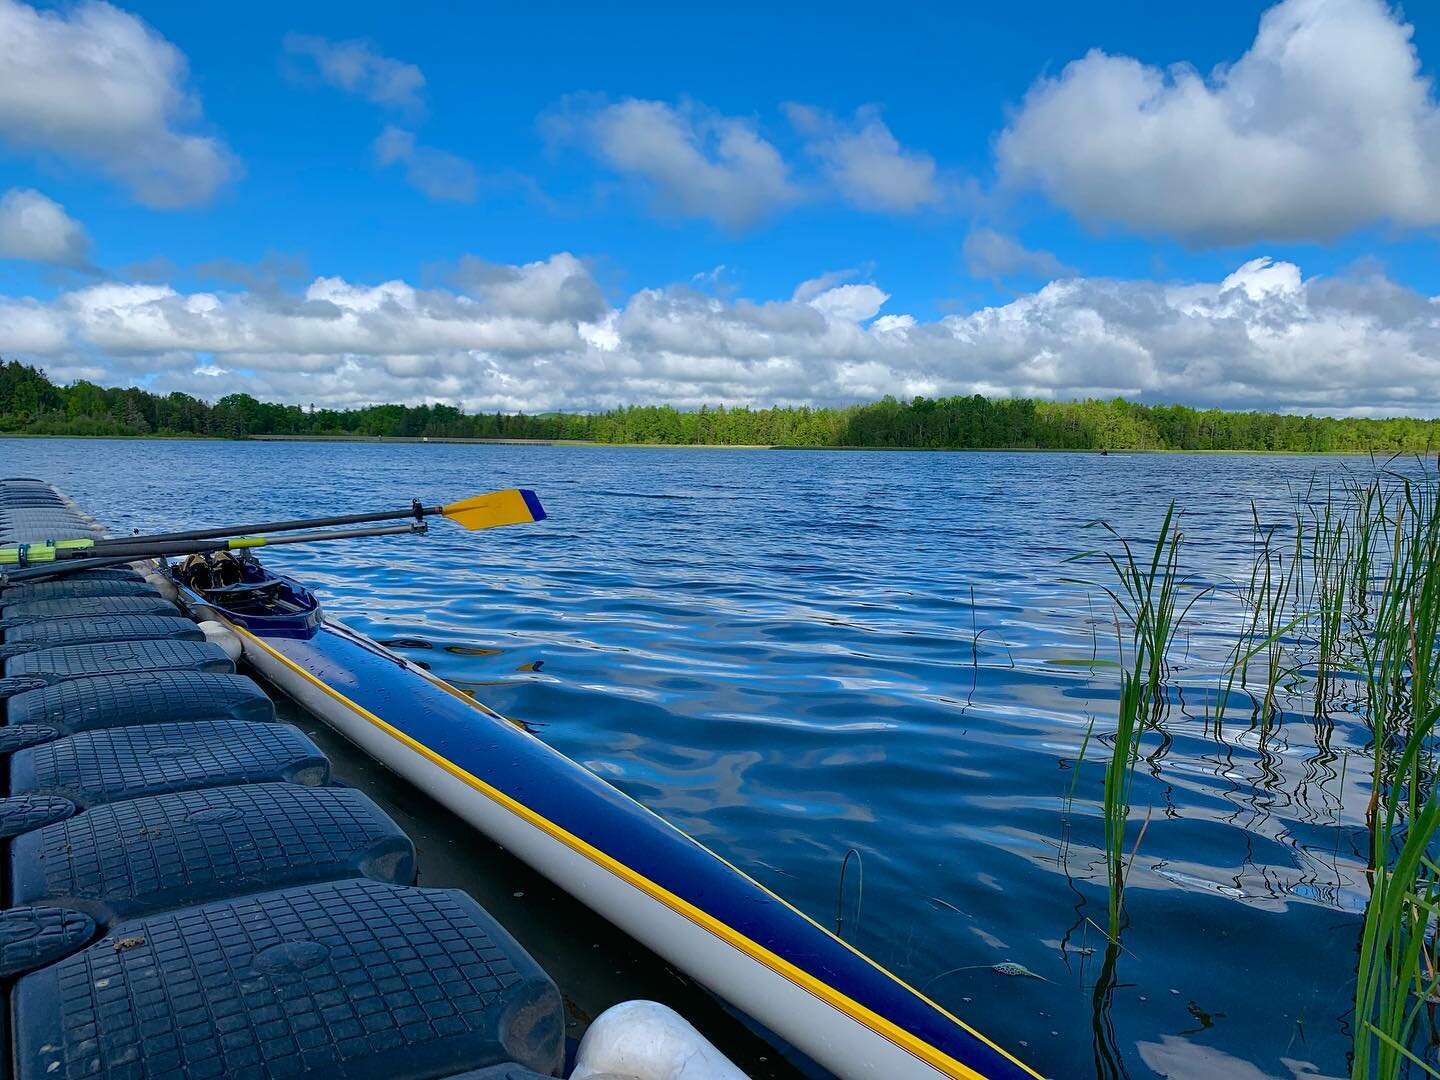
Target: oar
(196, 547)
(512, 506)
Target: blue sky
(954, 162)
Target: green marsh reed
(1148, 599)
(1344, 617)
(1326, 590)
(1398, 975)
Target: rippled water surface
(793, 654)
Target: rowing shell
(705, 916)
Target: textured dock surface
(190, 895)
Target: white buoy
(644, 1040)
(219, 634)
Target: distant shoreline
(410, 439)
(32, 404)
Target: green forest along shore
(31, 404)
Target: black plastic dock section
(188, 891)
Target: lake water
(795, 654)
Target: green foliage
(31, 403)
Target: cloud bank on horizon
(542, 336)
(1324, 126)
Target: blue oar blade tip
(532, 503)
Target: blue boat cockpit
(246, 593)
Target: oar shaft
(416, 511)
(238, 543)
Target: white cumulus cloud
(558, 289)
(852, 303)
(1325, 124)
(543, 336)
(865, 163)
(37, 228)
(812, 287)
(991, 254)
(95, 85)
(436, 174)
(355, 67)
(693, 161)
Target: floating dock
(189, 893)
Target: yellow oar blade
(515, 506)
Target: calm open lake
(793, 654)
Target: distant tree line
(31, 404)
